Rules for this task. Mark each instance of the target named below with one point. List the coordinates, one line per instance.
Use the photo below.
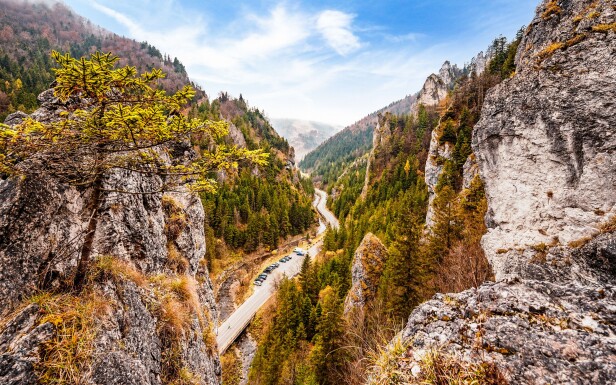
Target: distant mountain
(328, 161)
(30, 30)
(304, 135)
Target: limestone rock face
(381, 131)
(544, 146)
(534, 332)
(433, 170)
(478, 63)
(470, 169)
(555, 326)
(436, 86)
(368, 263)
(42, 226)
(546, 140)
(237, 136)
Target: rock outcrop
(478, 63)
(435, 89)
(366, 270)
(236, 136)
(546, 142)
(147, 312)
(380, 132)
(433, 169)
(555, 326)
(437, 86)
(544, 147)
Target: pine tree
(399, 287)
(121, 122)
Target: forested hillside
(251, 209)
(328, 161)
(257, 207)
(314, 338)
(30, 30)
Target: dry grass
(575, 40)
(176, 218)
(179, 307)
(549, 50)
(175, 260)
(442, 369)
(111, 267)
(179, 301)
(579, 242)
(604, 28)
(385, 368)
(551, 9)
(540, 256)
(186, 377)
(609, 226)
(175, 318)
(66, 357)
(394, 366)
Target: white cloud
(287, 61)
(335, 27)
(278, 31)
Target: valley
(153, 233)
(235, 324)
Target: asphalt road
(233, 326)
(320, 205)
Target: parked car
(268, 269)
(299, 251)
(263, 276)
(258, 283)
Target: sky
(328, 61)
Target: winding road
(233, 326)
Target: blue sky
(329, 61)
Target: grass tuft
(386, 368)
(604, 28)
(609, 226)
(441, 369)
(549, 50)
(107, 266)
(66, 357)
(393, 366)
(175, 260)
(175, 221)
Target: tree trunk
(86, 248)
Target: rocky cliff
(435, 89)
(545, 142)
(366, 270)
(146, 314)
(545, 151)
(437, 86)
